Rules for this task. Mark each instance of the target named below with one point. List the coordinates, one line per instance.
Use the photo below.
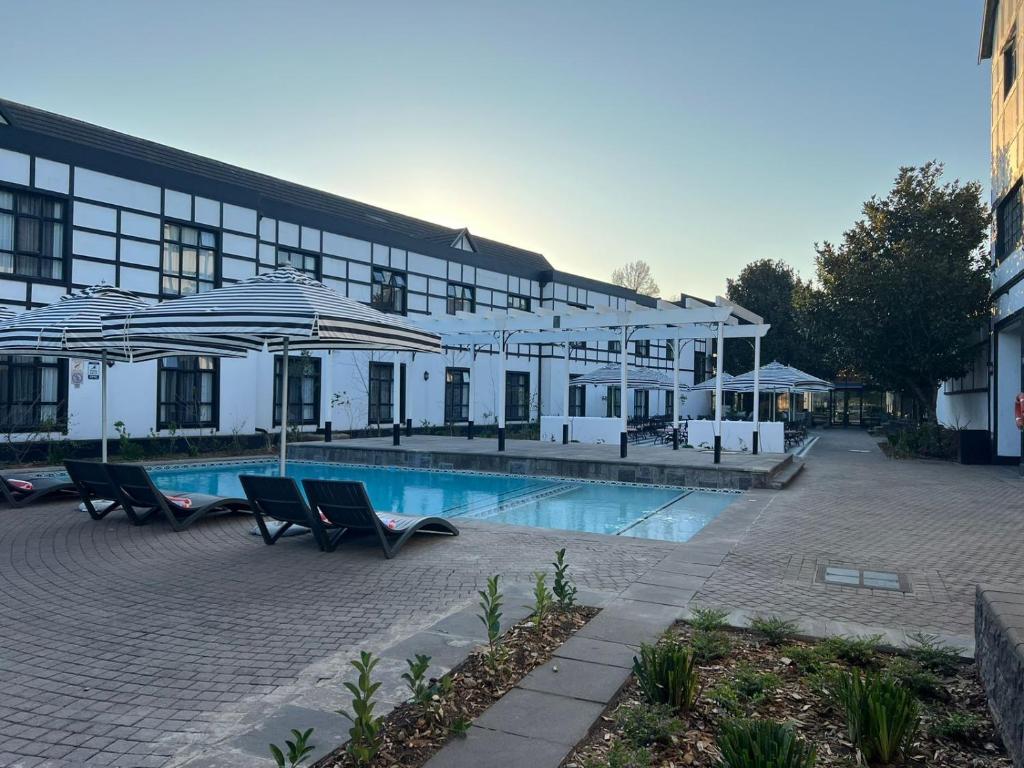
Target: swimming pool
(653, 512)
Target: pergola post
(623, 435)
(565, 400)
(501, 390)
(757, 392)
(718, 394)
(675, 393)
(472, 391)
(396, 424)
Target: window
(33, 393)
(187, 392)
(670, 406)
(670, 350)
(642, 348)
(577, 397)
(464, 243)
(303, 389)
(517, 396)
(975, 378)
(577, 345)
(307, 263)
(1008, 224)
(614, 400)
(388, 291)
(1010, 62)
(614, 347)
(700, 361)
(522, 303)
(461, 298)
(641, 404)
(382, 378)
(456, 395)
(31, 235)
(190, 261)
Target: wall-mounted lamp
(426, 375)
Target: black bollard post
(501, 438)
(623, 438)
(327, 432)
(408, 427)
(718, 449)
(396, 434)
(756, 446)
(675, 438)
(565, 434)
(469, 430)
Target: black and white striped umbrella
(636, 378)
(710, 385)
(776, 377)
(276, 309)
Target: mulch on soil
(412, 733)
(800, 701)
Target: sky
(698, 136)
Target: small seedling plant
(933, 654)
(298, 747)
(365, 736)
(491, 600)
(773, 629)
(416, 680)
(667, 674)
(563, 588)
(542, 599)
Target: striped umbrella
(728, 384)
(636, 378)
(776, 377)
(276, 310)
(71, 328)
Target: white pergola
(666, 322)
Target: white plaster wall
(1008, 375)
(963, 411)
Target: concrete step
(785, 475)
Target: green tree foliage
(907, 288)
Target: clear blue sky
(696, 135)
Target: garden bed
(742, 677)
(413, 732)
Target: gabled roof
(69, 140)
(988, 30)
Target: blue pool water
(653, 512)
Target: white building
(81, 205)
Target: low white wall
(582, 429)
(737, 435)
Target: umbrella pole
(284, 407)
(103, 407)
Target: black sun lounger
(90, 479)
(346, 505)
(18, 495)
(141, 499)
(279, 498)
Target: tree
(907, 289)
(773, 290)
(636, 275)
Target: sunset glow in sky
(698, 136)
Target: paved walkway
(945, 525)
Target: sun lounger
(90, 479)
(19, 493)
(141, 498)
(279, 498)
(345, 504)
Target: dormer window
(1009, 62)
(3, 120)
(463, 242)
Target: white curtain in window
(6, 232)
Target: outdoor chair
(279, 498)
(90, 479)
(20, 493)
(141, 499)
(345, 504)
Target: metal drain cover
(863, 577)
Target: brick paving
(947, 526)
(123, 645)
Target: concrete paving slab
(445, 651)
(652, 593)
(541, 716)
(576, 679)
(495, 749)
(662, 578)
(597, 651)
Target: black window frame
(641, 396)
(167, 245)
(700, 361)
(614, 347)
(456, 395)
(10, 365)
(1009, 223)
(577, 397)
(642, 348)
(517, 396)
(457, 303)
(393, 284)
(181, 375)
(316, 273)
(379, 395)
(520, 302)
(1009, 62)
(43, 223)
(300, 367)
(613, 397)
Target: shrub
(763, 744)
(913, 677)
(726, 696)
(964, 727)
(563, 588)
(774, 630)
(708, 619)
(541, 599)
(298, 749)
(882, 717)
(666, 675)
(645, 724)
(491, 601)
(364, 736)
(807, 660)
(753, 685)
(416, 680)
(621, 756)
(710, 645)
(933, 654)
(859, 651)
